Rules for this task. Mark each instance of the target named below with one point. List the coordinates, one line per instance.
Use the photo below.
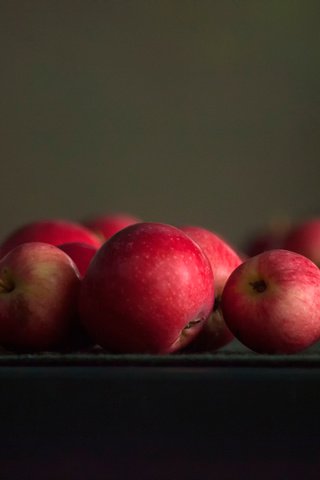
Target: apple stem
(259, 286)
(192, 323)
(5, 287)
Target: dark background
(201, 112)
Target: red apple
(269, 238)
(148, 289)
(271, 302)
(81, 254)
(304, 238)
(54, 232)
(105, 226)
(38, 297)
(223, 259)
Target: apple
(304, 238)
(54, 232)
(271, 302)
(262, 241)
(105, 226)
(149, 289)
(223, 259)
(39, 284)
(81, 254)
(270, 237)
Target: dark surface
(168, 418)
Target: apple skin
(149, 289)
(39, 285)
(81, 254)
(105, 226)
(223, 259)
(54, 232)
(271, 302)
(304, 238)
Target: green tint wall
(178, 111)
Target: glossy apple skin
(149, 289)
(271, 302)
(223, 259)
(105, 226)
(304, 238)
(54, 232)
(39, 285)
(81, 254)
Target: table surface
(233, 355)
(94, 415)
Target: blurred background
(203, 112)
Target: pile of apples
(144, 287)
